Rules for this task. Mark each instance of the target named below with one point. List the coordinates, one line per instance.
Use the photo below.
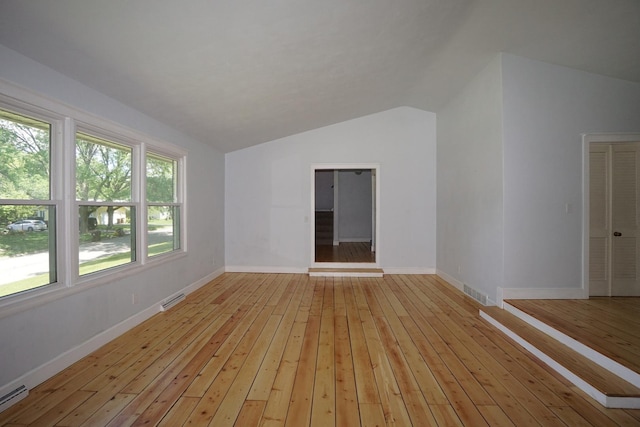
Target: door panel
(614, 244)
(624, 219)
(599, 236)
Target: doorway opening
(611, 235)
(344, 212)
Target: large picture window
(27, 214)
(106, 214)
(73, 213)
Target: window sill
(27, 300)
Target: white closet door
(624, 219)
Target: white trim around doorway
(335, 166)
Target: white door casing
(375, 169)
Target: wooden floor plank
(507, 391)
(570, 417)
(179, 412)
(395, 409)
(211, 400)
(202, 382)
(299, 410)
(339, 308)
(55, 414)
(592, 323)
(362, 364)
(445, 415)
(495, 416)
(152, 403)
(251, 413)
(424, 377)
(323, 412)
(435, 349)
(601, 379)
(232, 403)
(275, 412)
(407, 376)
(109, 410)
(347, 412)
(345, 252)
(372, 415)
(263, 383)
(286, 349)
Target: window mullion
(68, 231)
(182, 196)
(57, 243)
(139, 184)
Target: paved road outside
(17, 268)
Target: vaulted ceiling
(235, 73)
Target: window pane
(24, 157)
(27, 247)
(161, 179)
(107, 237)
(103, 170)
(163, 233)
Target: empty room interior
(337, 213)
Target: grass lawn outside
(98, 264)
(23, 243)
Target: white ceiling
(235, 73)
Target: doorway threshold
(346, 272)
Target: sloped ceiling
(237, 73)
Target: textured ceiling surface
(238, 73)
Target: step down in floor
(346, 272)
(610, 389)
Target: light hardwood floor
(289, 350)
(610, 326)
(345, 252)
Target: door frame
(340, 166)
(587, 140)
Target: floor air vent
(478, 296)
(171, 302)
(13, 397)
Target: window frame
(180, 189)
(65, 121)
(56, 123)
(135, 202)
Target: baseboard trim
(451, 280)
(540, 293)
(263, 269)
(43, 372)
(200, 283)
(295, 270)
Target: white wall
(470, 199)
(510, 173)
(268, 198)
(38, 335)
(355, 206)
(546, 109)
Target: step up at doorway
(346, 272)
